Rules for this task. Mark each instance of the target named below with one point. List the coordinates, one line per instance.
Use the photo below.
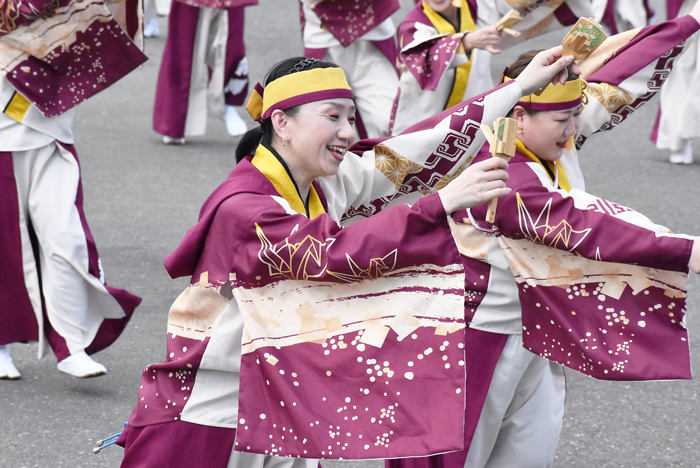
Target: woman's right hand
(478, 184)
(547, 66)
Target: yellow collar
(443, 26)
(555, 167)
(276, 173)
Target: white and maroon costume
(358, 36)
(204, 66)
(52, 58)
(436, 72)
(573, 279)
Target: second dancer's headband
(554, 97)
(299, 87)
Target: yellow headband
(554, 97)
(297, 88)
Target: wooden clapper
(583, 39)
(509, 20)
(502, 145)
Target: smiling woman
(290, 315)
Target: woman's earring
(519, 131)
(284, 142)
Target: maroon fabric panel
(673, 7)
(60, 81)
(482, 350)
(132, 18)
(235, 52)
(564, 15)
(219, 4)
(388, 48)
(609, 17)
(163, 445)
(173, 90)
(655, 129)
(17, 319)
(348, 21)
(318, 54)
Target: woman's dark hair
(520, 64)
(263, 134)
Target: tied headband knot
(300, 86)
(555, 97)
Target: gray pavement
(141, 196)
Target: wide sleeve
(587, 226)
(278, 245)
(383, 172)
(628, 70)
(322, 304)
(602, 289)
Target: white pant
(76, 302)
(522, 415)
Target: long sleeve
(419, 161)
(322, 304)
(628, 70)
(584, 225)
(601, 289)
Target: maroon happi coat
(57, 54)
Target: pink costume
(358, 36)
(203, 67)
(53, 57)
(359, 328)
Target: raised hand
(547, 66)
(478, 184)
(485, 38)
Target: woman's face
(319, 135)
(441, 6)
(546, 133)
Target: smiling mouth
(562, 144)
(337, 151)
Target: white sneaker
(234, 123)
(81, 365)
(151, 28)
(7, 368)
(684, 156)
(173, 141)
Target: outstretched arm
(628, 69)
(432, 153)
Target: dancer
(268, 252)
(204, 69)
(446, 51)
(555, 254)
(359, 37)
(678, 121)
(53, 288)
